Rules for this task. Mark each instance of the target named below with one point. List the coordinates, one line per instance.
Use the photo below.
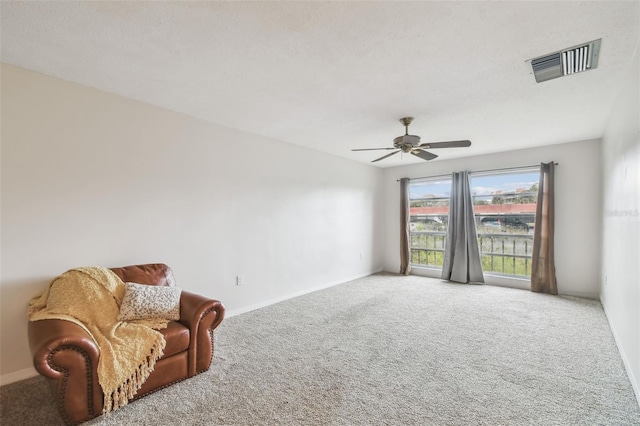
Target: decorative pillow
(149, 301)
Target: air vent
(566, 62)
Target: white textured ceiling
(338, 75)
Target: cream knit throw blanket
(91, 298)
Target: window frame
(491, 276)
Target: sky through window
(480, 185)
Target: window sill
(507, 281)
(490, 279)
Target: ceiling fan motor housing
(406, 142)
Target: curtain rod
(481, 171)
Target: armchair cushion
(177, 337)
(142, 301)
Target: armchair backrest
(151, 274)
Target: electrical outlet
(239, 280)
(360, 256)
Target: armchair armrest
(201, 315)
(65, 353)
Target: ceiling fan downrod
(406, 121)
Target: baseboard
(17, 376)
(581, 294)
(245, 309)
(625, 359)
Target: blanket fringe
(127, 390)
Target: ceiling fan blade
(450, 144)
(425, 155)
(385, 156)
(371, 149)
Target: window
(504, 207)
(429, 215)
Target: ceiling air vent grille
(566, 62)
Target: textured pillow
(149, 301)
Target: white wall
(90, 178)
(578, 211)
(620, 294)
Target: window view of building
(504, 205)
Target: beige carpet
(391, 350)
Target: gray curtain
(461, 256)
(405, 250)
(543, 268)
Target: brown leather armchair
(68, 357)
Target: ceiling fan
(411, 144)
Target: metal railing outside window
(504, 253)
(427, 248)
